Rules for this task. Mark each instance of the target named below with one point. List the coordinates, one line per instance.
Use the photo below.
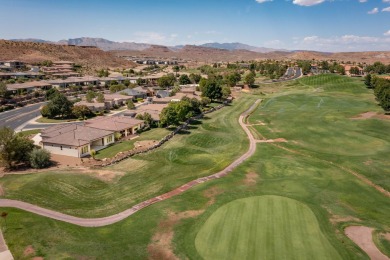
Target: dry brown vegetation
(32, 52)
(204, 54)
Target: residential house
(132, 92)
(14, 64)
(116, 99)
(29, 86)
(75, 140)
(348, 70)
(119, 124)
(93, 106)
(78, 81)
(163, 93)
(17, 75)
(153, 109)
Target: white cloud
(386, 1)
(154, 37)
(263, 1)
(387, 33)
(362, 1)
(307, 2)
(374, 11)
(387, 9)
(345, 42)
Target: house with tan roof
(75, 140)
(29, 86)
(119, 124)
(78, 139)
(153, 109)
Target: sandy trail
(362, 236)
(99, 222)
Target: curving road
(17, 117)
(99, 222)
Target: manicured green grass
(29, 132)
(308, 173)
(321, 123)
(48, 120)
(209, 146)
(263, 227)
(115, 148)
(122, 146)
(381, 242)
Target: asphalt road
(17, 117)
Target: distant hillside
(108, 45)
(30, 40)
(33, 52)
(205, 54)
(209, 52)
(104, 44)
(239, 46)
(196, 53)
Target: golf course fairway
(263, 227)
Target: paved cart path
(99, 222)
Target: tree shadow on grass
(195, 122)
(184, 132)
(192, 127)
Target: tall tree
(90, 96)
(212, 89)
(100, 97)
(176, 69)
(81, 111)
(195, 78)
(3, 89)
(367, 80)
(232, 79)
(59, 106)
(13, 148)
(184, 79)
(250, 78)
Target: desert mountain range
(209, 52)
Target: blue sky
(324, 25)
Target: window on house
(84, 149)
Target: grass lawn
(153, 134)
(263, 227)
(49, 120)
(303, 174)
(29, 132)
(209, 146)
(115, 148)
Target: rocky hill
(239, 46)
(34, 52)
(104, 44)
(205, 54)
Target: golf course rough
(263, 227)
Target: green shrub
(40, 158)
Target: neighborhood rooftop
(75, 135)
(114, 123)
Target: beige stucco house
(78, 139)
(118, 124)
(75, 140)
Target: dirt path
(362, 236)
(99, 222)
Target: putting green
(263, 227)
